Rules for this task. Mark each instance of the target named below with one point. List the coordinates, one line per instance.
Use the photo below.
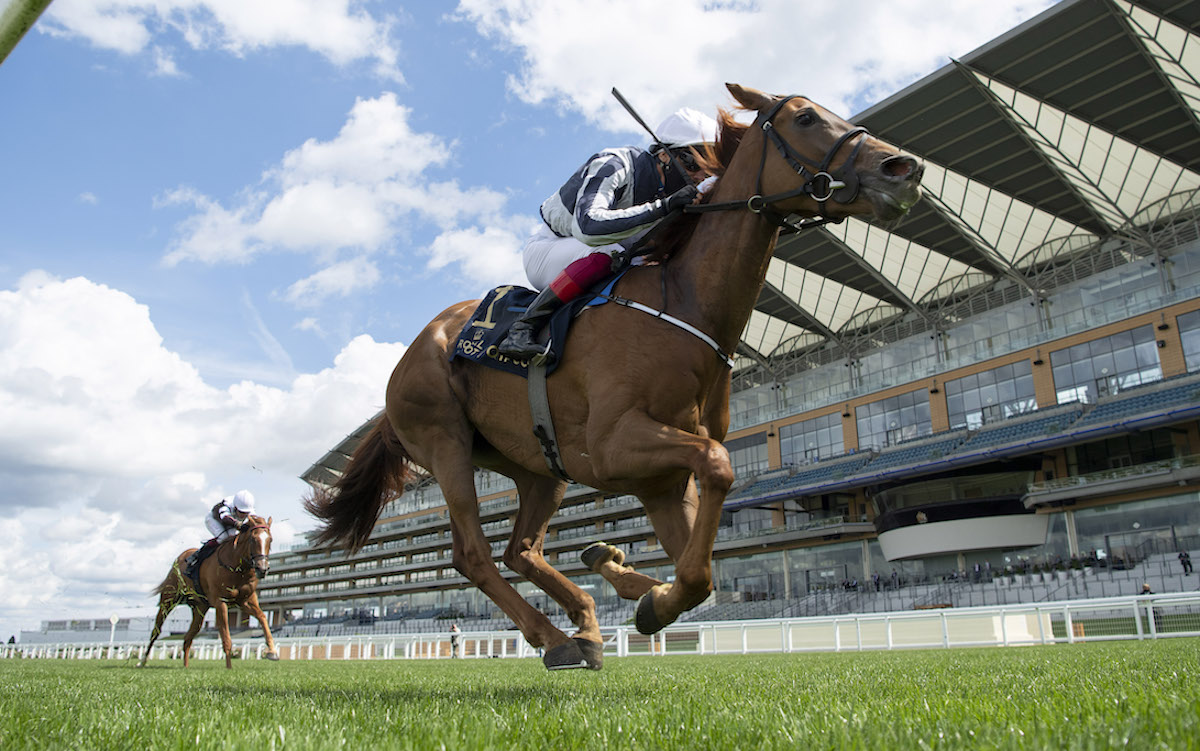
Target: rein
(819, 182)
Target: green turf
(1101, 695)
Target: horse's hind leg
(540, 498)
(473, 555)
(198, 612)
(165, 606)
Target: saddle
(481, 336)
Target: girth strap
(543, 423)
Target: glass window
(895, 419)
(1189, 332)
(1088, 371)
(748, 453)
(1137, 530)
(812, 440)
(996, 394)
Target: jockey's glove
(681, 198)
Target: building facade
(1005, 385)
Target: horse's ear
(751, 99)
(269, 520)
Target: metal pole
(17, 18)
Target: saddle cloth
(193, 571)
(481, 336)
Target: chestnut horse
(229, 575)
(641, 406)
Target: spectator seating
(1147, 401)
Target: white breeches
(217, 529)
(546, 254)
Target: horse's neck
(234, 551)
(721, 271)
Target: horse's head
(254, 542)
(812, 162)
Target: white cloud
(88, 197)
(164, 64)
(339, 280)
(342, 31)
(310, 324)
(368, 189)
(832, 52)
(113, 446)
(488, 257)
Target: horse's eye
(805, 118)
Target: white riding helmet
(687, 127)
(243, 501)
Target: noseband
(818, 181)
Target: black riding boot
(521, 342)
(195, 559)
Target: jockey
(224, 520)
(616, 194)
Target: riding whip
(674, 163)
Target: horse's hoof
(593, 553)
(566, 656)
(273, 656)
(645, 619)
(593, 652)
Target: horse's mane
(714, 159)
(252, 521)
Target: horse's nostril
(900, 166)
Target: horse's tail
(375, 475)
(162, 587)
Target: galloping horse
(229, 575)
(641, 405)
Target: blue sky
(221, 223)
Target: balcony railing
(1165, 466)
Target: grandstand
(995, 401)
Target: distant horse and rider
(228, 574)
(640, 402)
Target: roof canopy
(1070, 125)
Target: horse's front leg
(640, 446)
(251, 606)
(672, 513)
(223, 629)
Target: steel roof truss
(1093, 198)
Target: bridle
(252, 559)
(818, 181)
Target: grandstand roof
(1068, 125)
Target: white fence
(1069, 622)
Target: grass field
(1090, 696)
